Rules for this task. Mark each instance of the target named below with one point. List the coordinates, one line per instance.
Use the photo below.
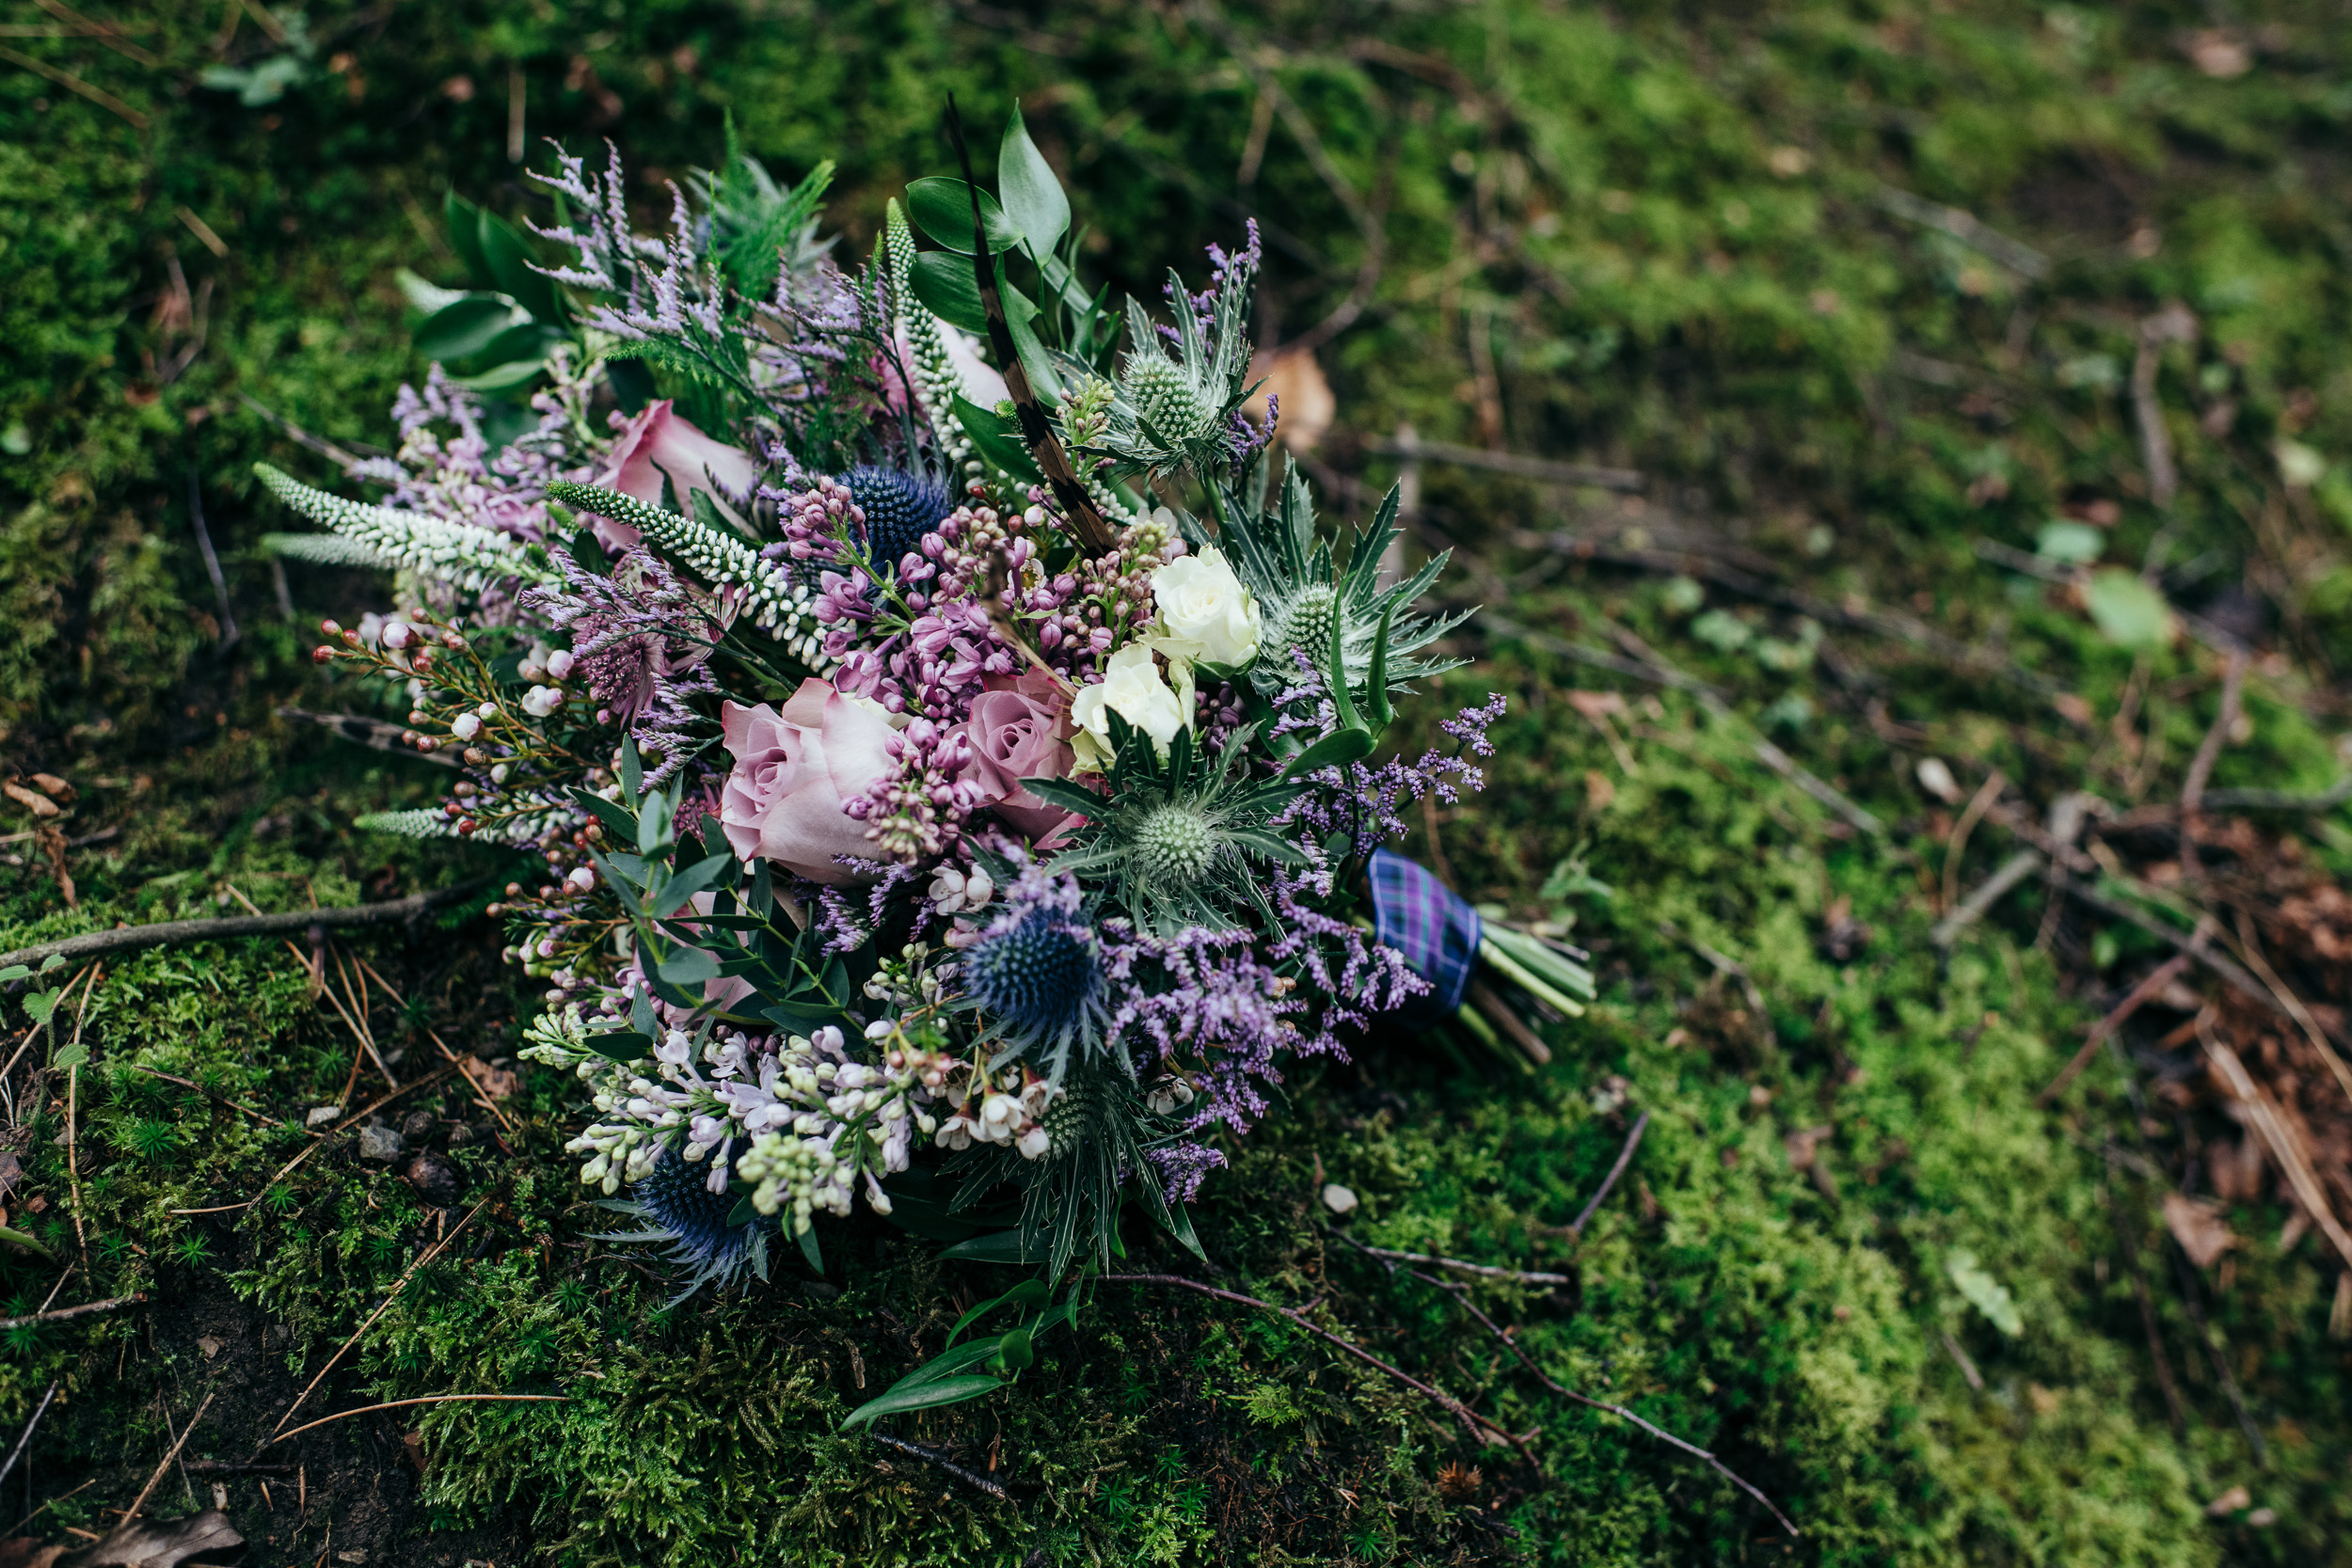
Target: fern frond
(468, 557)
(774, 603)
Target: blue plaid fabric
(1437, 931)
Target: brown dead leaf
(50, 784)
(210, 1346)
(1600, 789)
(1303, 405)
(39, 806)
(1801, 1145)
(2218, 53)
(2228, 1502)
(141, 1544)
(1596, 705)
(2045, 1400)
(496, 1081)
(2199, 1228)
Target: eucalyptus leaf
(1033, 197)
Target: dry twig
(971, 1478)
(127, 939)
(140, 1501)
(429, 1399)
(2154, 981)
(1625, 1158)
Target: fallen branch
(429, 1399)
(1589, 475)
(423, 1259)
(25, 1437)
(1461, 1294)
(62, 1313)
(1625, 1157)
(320, 1142)
(1969, 229)
(130, 939)
(1520, 1277)
(140, 1501)
(2014, 870)
(2154, 981)
(2278, 799)
(1480, 1429)
(971, 1478)
(2285, 1148)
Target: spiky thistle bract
(1172, 835)
(1304, 592)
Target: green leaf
(2133, 614)
(619, 1045)
(944, 285)
(998, 440)
(73, 1055)
(693, 879)
(465, 237)
(588, 554)
(1003, 1247)
(1376, 699)
(1033, 197)
(923, 1396)
(1273, 847)
(632, 769)
(14, 1237)
(2069, 544)
(526, 341)
(1987, 1294)
(1338, 748)
(1028, 1293)
(950, 1362)
(15, 972)
(744, 1212)
(616, 818)
(39, 1005)
(690, 966)
(941, 209)
(463, 328)
(809, 1251)
(508, 259)
(1014, 1352)
(503, 378)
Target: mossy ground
(1659, 237)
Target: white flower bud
(560, 663)
(464, 726)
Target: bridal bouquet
(951, 741)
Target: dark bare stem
(131, 938)
(1480, 1429)
(971, 1478)
(1625, 1157)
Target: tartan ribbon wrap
(1432, 925)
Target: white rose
(1132, 687)
(1204, 611)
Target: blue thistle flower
(899, 510)
(1038, 976)
(681, 1212)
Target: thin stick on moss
(62, 1313)
(140, 1501)
(24, 1439)
(1461, 1294)
(1523, 1276)
(51, 1503)
(73, 1100)
(429, 1399)
(320, 1142)
(2155, 980)
(423, 1259)
(1625, 1158)
(972, 1479)
(1480, 1429)
(129, 939)
(481, 1096)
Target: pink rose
(794, 771)
(659, 442)
(1020, 729)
